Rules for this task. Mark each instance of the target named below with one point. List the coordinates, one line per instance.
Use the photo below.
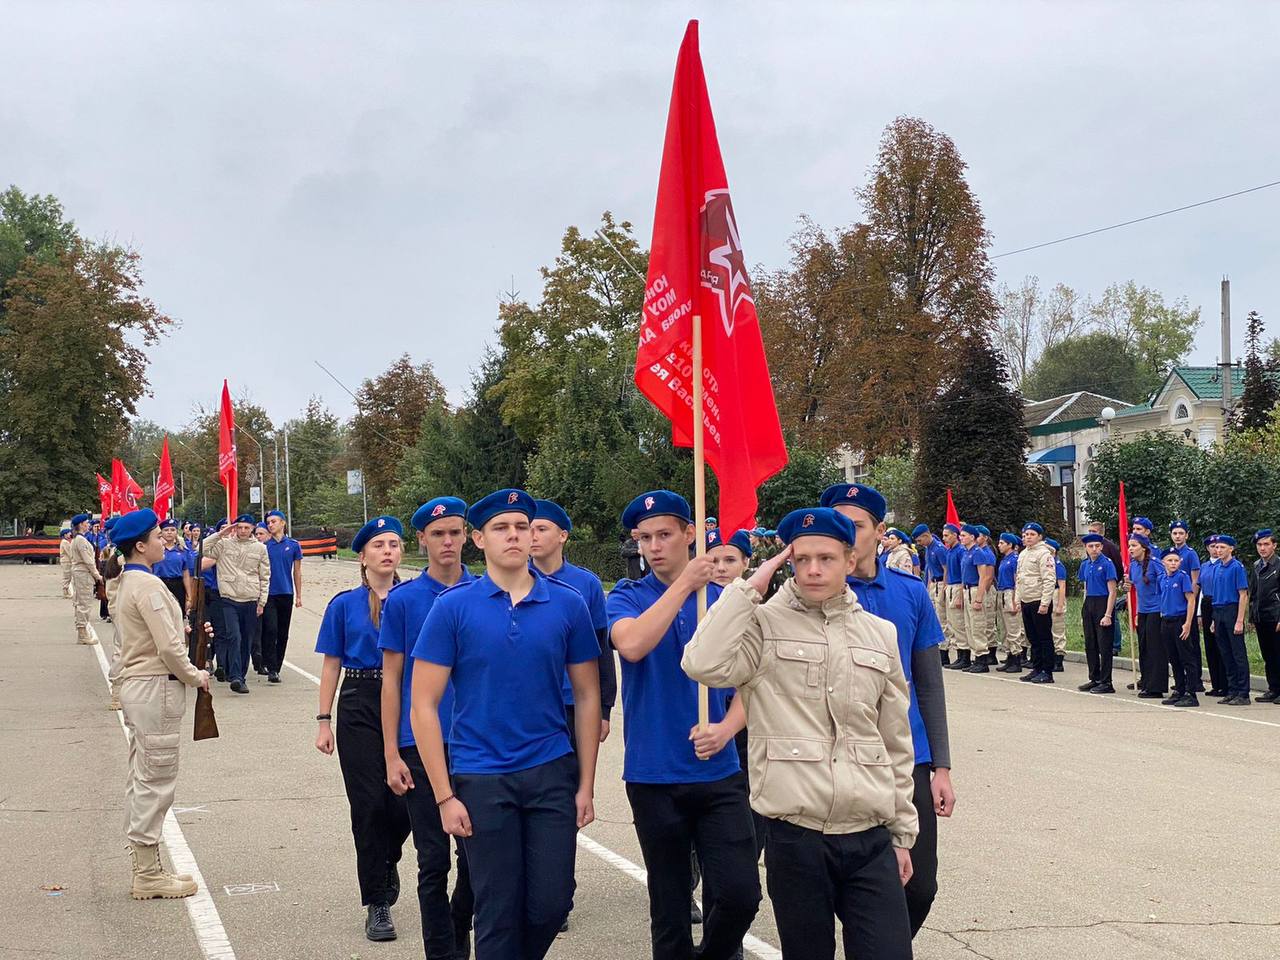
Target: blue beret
(260, 526)
(713, 521)
(1143, 522)
(274, 513)
(817, 522)
(1053, 543)
(1179, 525)
(550, 510)
(438, 509)
(919, 530)
(1263, 534)
(855, 495)
(507, 500)
(742, 542)
(1210, 540)
(969, 529)
(245, 518)
(901, 535)
(715, 539)
(1032, 525)
(376, 526)
(111, 522)
(1011, 538)
(1170, 551)
(983, 529)
(1142, 539)
(1091, 538)
(222, 522)
(64, 530)
(1227, 539)
(656, 503)
(951, 526)
(170, 522)
(771, 533)
(80, 518)
(134, 525)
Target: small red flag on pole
(105, 495)
(228, 470)
(1131, 616)
(952, 515)
(163, 497)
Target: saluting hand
(399, 779)
(454, 818)
(763, 576)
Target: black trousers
(740, 740)
(1184, 655)
(715, 819)
(440, 913)
(178, 589)
(1213, 658)
(276, 617)
(212, 615)
(1231, 648)
(922, 888)
(524, 829)
(379, 819)
(814, 878)
(1153, 656)
(1039, 630)
(1097, 639)
(1269, 644)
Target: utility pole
(364, 491)
(288, 489)
(275, 439)
(1224, 365)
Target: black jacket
(1264, 591)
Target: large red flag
(164, 484)
(1124, 555)
(106, 496)
(130, 491)
(952, 515)
(228, 470)
(697, 269)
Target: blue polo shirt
(935, 561)
(903, 600)
(1149, 592)
(210, 576)
(955, 562)
(173, 564)
(508, 663)
(1060, 569)
(347, 632)
(1007, 571)
(282, 553)
(659, 701)
(1190, 559)
(1094, 574)
(1228, 580)
(588, 586)
(968, 568)
(1173, 594)
(1208, 571)
(403, 614)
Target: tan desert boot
(150, 881)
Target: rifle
(206, 727)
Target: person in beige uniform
(831, 754)
(244, 580)
(899, 555)
(84, 577)
(1036, 586)
(64, 560)
(1059, 613)
(154, 676)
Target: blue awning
(1058, 455)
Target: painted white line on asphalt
(754, 946)
(205, 921)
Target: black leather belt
(172, 677)
(375, 674)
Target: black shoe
(1172, 699)
(1189, 700)
(1087, 687)
(1240, 701)
(946, 658)
(1041, 677)
(564, 927)
(220, 675)
(1215, 692)
(1031, 676)
(273, 678)
(239, 686)
(1103, 688)
(393, 884)
(1149, 695)
(1225, 700)
(978, 667)
(261, 671)
(378, 925)
(1131, 686)
(961, 662)
(1268, 697)
(1058, 666)
(695, 912)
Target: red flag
(697, 269)
(952, 515)
(164, 484)
(228, 471)
(129, 491)
(105, 495)
(119, 502)
(1124, 555)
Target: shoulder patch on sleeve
(157, 601)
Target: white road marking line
(205, 921)
(754, 946)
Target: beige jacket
(244, 569)
(826, 702)
(1036, 579)
(153, 642)
(899, 558)
(64, 552)
(84, 558)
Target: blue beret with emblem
(1032, 525)
(133, 526)
(817, 522)
(167, 523)
(1091, 538)
(507, 500)
(1144, 522)
(1179, 525)
(245, 518)
(898, 534)
(1142, 539)
(274, 513)
(1263, 534)
(438, 509)
(656, 503)
(550, 510)
(856, 495)
(376, 526)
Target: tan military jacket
(826, 702)
(152, 639)
(899, 558)
(244, 569)
(1036, 580)
(64, 552)
(84, 558)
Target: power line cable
(359, 409)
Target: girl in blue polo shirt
(1144, 574)
(348, 639)
(1177, 613)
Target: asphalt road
(1086, 826)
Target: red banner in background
(1123, 544)
(228, 469)
(952, 515)
(164, 484)
(105, 496)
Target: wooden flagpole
(699, 493)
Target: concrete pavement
(1085, 827)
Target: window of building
(1206, 437)
(1181, 411)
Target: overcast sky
(343, 182)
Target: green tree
(1098, 362)
(389, 412)
(894, 475)
(1159, 474)
(1260, 390)
(197, 456)
(30, 226)
(799, 484)
(316, 449)
(1159, 334)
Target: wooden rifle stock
(206, 727)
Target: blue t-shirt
(1190, 559)
(507, 666)
(659, 701)
(1149, 592)
(403, 615)
(210, 576)
(1207, 572)
(174, 563)
(1007, 571)
(347, 631)
(1060, 570)
(955, 561)
(1228, 580)
(1173, 594)
(903, 600)
(588, 586)
(974, 558)
(282, 553)
(1094, 574)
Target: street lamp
(262, 482)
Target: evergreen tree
(1260, 390)
(973, 440)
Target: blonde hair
(375, 601)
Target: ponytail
(375, 601)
